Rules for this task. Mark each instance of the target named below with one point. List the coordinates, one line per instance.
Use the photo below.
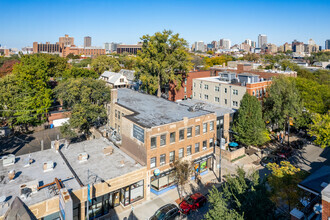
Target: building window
(118, 128)
(181, 134)
(235, 92)
(172, 137)
(185, 89)
(194, 94)
(204, 128)
(257, 93)
(181, 153)
(172, 156)
(211, 142)
(121, 80)
(200, 95)
(118, 114)
(206, 86)
(200, 85)
(185, 81)
(211, 125)
(194, 85)
(197, 130)
(162, 139)
(235, 103)
(216, 99)
(189, 150)
(253, 93)
(115, 113)
(152, 162)
(189, 132)
(225, 90)
(204, 145)
(196, 147)
(225, 101)
(216, 88)
(206, 97)
(153, 142)
(162, 159)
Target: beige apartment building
(227, 89)
(155, 132)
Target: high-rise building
(311, 42)
(272, 48)
(215, 44)
(298, 46)
(327, 44)
(66, 40)
(87, 41)
(262, 41)
(199, 46)
(248, 41)
(287, 47)
(253, 44)
(225, 44)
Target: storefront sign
(138, 133)
(156, 172)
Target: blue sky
(24, 21)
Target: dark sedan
(166, 212)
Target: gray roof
(18, 210)
(129, 74)
(218, 109)
(313, 182)
(108, 74)
(247, 74)
(113, 77)
(106, 167)
(35, 172)
(151, 111)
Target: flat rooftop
(218, 109)
(152, 111)
(215, 79)
(105, 167)
(35, 172)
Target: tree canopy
(76, 72)
(86, 99)
(282, 103)
(105, 63)
(249, 125)
(163, 59)
(320, 128)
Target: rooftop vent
(11, 174)
(48, 166)
(108, 151)
(122, 163)
(28, 161)
(196, 107)
(8, 160)
(82, 157)
(324, 184)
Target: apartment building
(66, 40)
(228, 90)
(155, 132)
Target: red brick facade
(186, 88)
(325, 210)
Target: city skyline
(109, 23)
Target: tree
(128, 61)
(219, 207)
(86, 99)
(163, 59)
(75, 72)
(282, 103)
(249, 126)
(248, 195)
(218, 60)
(284, 181)
(82, 63)
(104, 63)
(182, 172)
(72, 56)
(320, 128)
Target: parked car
(166, 212)
(269, 159)
(192, 203)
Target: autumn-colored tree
(320, 128)
(183, 169)
(284, 181)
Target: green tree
(75, 72)
(105, 63)
(247, 194)
(284, 181)
(82, 63)
(163, 59)
(320, 128)
(128, 61)
(249, 125)
(219, 208)
(282, 103)
(86, 99)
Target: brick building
(155, 132)
(47, 48)
(186, 88)
(86, 51)
(66, 40)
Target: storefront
(125, 196)
(162, 182)
(202, 165)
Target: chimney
(114, 96)
(57, 145)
